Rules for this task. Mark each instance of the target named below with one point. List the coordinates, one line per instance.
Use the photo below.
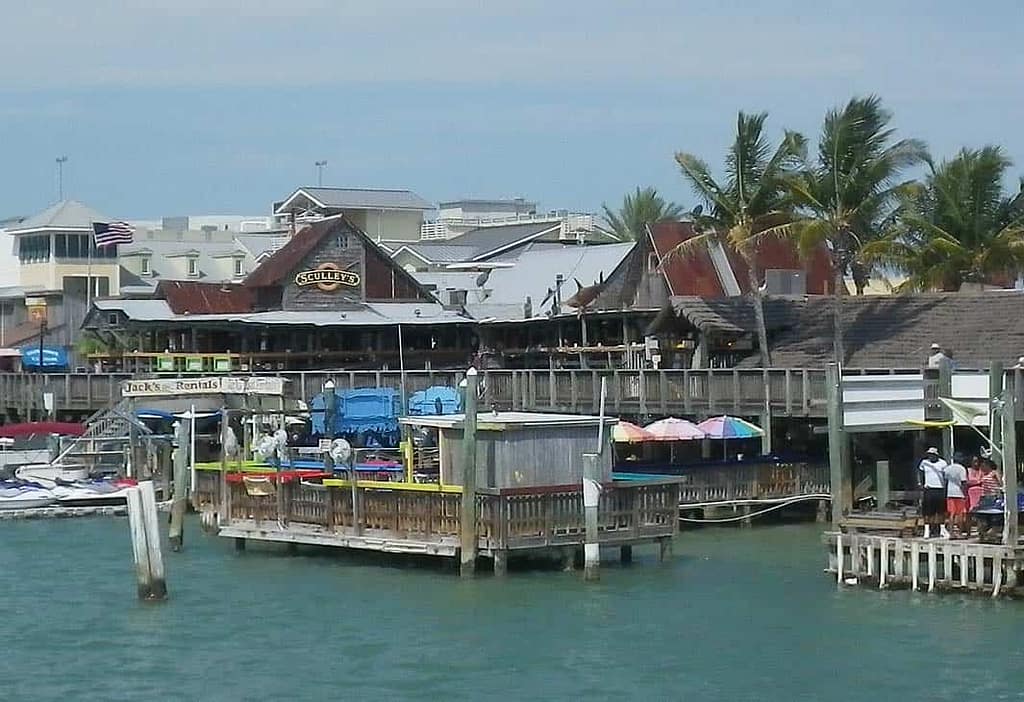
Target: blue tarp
(438, 397)
(366, 417)
(53, 357)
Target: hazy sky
(191, 107)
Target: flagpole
(88, 274)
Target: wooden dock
(924, 564)
(57, 512)
(425, 518)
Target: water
(737, 615)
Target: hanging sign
(219, 385)
(328, 277)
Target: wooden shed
(521, 449)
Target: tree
(749, 205)
(638, 210)
(849, 195)
(958, 228)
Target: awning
(29, 428)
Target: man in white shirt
(956, 495)
(936, 356)
(932, 472)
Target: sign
(327, 277)
(219, 385)
(165, 364)
(324, 445)
(52, 357)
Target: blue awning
(52, 357)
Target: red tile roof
(188, 297)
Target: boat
(93, 493)
(25, 497)
(46, 473)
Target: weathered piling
(145, 531)
(467, 527)
(591, 497)
(180, 500)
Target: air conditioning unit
(451, 298)
(785, 282)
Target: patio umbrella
(674, 429)
(628, 433)
(726, 427)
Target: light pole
(320, 165)
(61, 160)
(330, 400)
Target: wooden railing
(507, 519)
(729, 483)
(797, 392)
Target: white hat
(933, 450)
(936, 347)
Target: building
(329, 298)
(384, 215)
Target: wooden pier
(924, 564)
(425, 518)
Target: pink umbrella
(674, 429)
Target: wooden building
(328, 298)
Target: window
(112, 319)
(343, 241)
(60, 246)
(145, 269)
(238, 267)
(35, 248)
(75, 247)
(193, 267)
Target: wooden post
(625, 555)
(995, 392)
(591, 498)
(842, 491)
(946, 390)
(142, 520)
(882, 483)
(176, 532)
(224, 511)
(467, 530)
(1010, 527)
(500, 562)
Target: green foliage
(959, 227)
(639, 209)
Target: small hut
(521, 449)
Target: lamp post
(320, 165)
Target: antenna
(61, 160)
(320, 165)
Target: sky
(192, 107)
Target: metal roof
(488, 241)
(368, 314)
(69, 215)
(360, 199)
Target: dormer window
(239, 272)
(193, 266)
(144, 268)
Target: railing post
(642, 392)
(789, 392)
(663, 391)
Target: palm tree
(850, 193)
(748, 205)
(638, 210)
(959, 228)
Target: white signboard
(216, 385)
(972, 388)
(882, 401)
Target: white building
(386, 216)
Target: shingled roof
(880, 331)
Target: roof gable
(66, 215)
(356, 199)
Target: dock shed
(521, 449)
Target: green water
(737, 615)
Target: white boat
(46, 473)
(84, 495)
(25, 498)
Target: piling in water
(145, 532)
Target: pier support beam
(664, 548)
(145, 529)
(467, 526)
(176, 534)
(625, 555)
(239, 543)
(501, 563)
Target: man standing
(932, 471)
(956, 496)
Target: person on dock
(932, 472)
(936, 357)
(956, 496)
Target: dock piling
(176, 532)
(591, 498)
(467, 526)
(145, 533)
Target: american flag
(110, 233)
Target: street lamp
(330, 404)
(320, 172)
(61, 160)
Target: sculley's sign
(328, 277)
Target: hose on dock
(777, 503)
